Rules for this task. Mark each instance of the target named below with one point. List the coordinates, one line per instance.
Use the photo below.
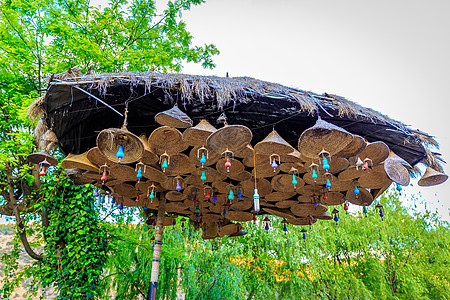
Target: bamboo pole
(157, 248)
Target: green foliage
(76, 248)
(403, 256)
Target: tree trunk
(157, 249)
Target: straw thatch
(226, 92)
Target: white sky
(392, 56)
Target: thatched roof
(76, 117)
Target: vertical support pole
(157, 248)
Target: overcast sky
(392, 56)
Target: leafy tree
(39, 38)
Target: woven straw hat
(109, 140)
(357, 145)
(78, 178)
(375, 178)
(197, 135)
(432, 177)
(212, 229)
(283, 183)
(280, 212)
(286, 167)
(265, 170)
(175, 196)
(126, 190)
(154, 174)
(231, 137)
(338, 164)
(397, 158)
(325, 216)
(230, 229)
(239, 216)
(305, 209)
(364, 197)
(166, 139)
(279, 196)
(122, 172)
(236, 167)
(220, 186)
(301, 221)
(179, 165)
(376, 151)
(285, 203)
(244, 175)
(173, 117)
(263, 185)
(38, 157)
(320, 180)
(246, 152)
(323, 135)
(213, 157)
(333, 198)
(273, 143)
(241, 204)
(79, 161)
(350, 174)
(341, 186)
(149, 157)
(312, 190)
(211, 174)
(175, 207)
(396, 172)
(97, 158)
(260, 159)
(378, 192)
(111, 183)
(193, 180)
(291, 157)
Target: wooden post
(157, 248)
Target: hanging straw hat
(341, 186)
(122, 172)
(212, 158)
(166, 139)
(350, 174)
(338, 164)
(173, 117)
(154, 174)
(301, 221)
(287, 166)
(279, 196)
(260, 159)
(244, 175)
(305, 209)
(376, 151)
(325, 216)
(294, 156)
(230, 229)
(246, 152)
(357, 145)
(273, 143)
(432, 177)
(229, 137)
(311, 190)
(241, 204)
(236, 167)
(239, 216)
(397, 158)
(193, 180)
(175, 207)
(283, 183)
(263, 186)
(79, 161)
(149, 157)
(41, 156)
(109, 140)
(212, 229)
(179, 165)
(175, 196)
(374, 179)
(77, 176)
(126, 190)
(212, 175)
(97, 158)
(396, 172)
(197, 135)
(286, 203)
(265, 170)
(378, 192)
(323, 135)
(333, 198)
(364, 197)
(280, 212)
(221, 186)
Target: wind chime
(380, 210)
(138, 169)
(164, 161)
(43, 159)
(266, 220)
(335, 212)
(284, 222)
(294, 172)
